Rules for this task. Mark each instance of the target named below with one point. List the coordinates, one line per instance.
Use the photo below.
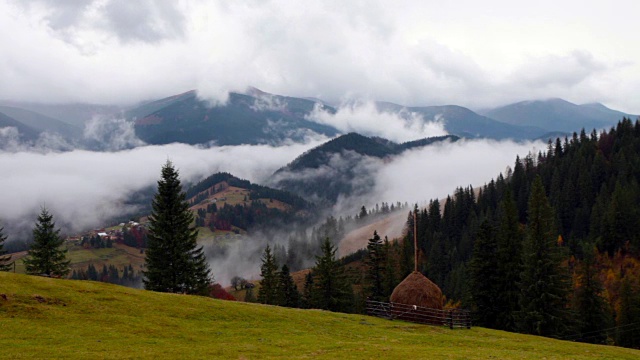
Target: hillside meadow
(54, 318)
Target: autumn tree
(174, 261)
(46, 255)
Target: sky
(472, 53)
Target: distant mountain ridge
(328, 171)
(558, 115)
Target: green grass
(54, 318)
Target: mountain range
(257, 117)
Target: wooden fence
(453, 318)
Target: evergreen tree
(590, 306)
(4, 260)
(174, 261)
(332, 291)
(509, 258)
(268, 293)
(544, 283)
(375, 268)
(628, 315)
(46, 255)
(306, 302)
(288, 294)
(483, 277)
(389, 269)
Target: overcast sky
(473, 53)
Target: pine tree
(46, 255)
(4, 260)
(332, 291)
(509, 255)
(288, 294)
(375, 261)
(306, 301)
(590, 306)
(268, 293)
(544, 283)
(174, 262)
(389, 269)
(628, 315)
(483, 277)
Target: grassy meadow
(55, 318)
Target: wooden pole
(415, 241)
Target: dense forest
(549, 248)
(553, 242)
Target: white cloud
(83, 188)
(409, 52)
(367, 119)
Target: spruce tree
(174, 261)
(268, 293)
(4, 260)
(483, 277)
(332, 291)
(590, 305)
(46, 255)
(288, 294)
(375, 261)
(628, 315)
(509, 257)
(544, 283)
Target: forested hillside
(549, 248)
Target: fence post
(450, 319)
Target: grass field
(54, 318)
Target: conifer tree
(4, 260)
(509, 257)
(174, 261)
(389, 269)
(375, 261)
(628, 315)
(544, 283)
(590, 306)
(268, 293)
(483, 277)
(288, 294)
(46, 255)
(332, 291)
(306, 301)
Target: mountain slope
(41, 122)
(73, 114)
(25, 132)
(341, 166)
(557, 115)
(244, 119)
(53, 318)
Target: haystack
(418, 290)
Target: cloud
(408, 52)
(433, 172)
(84, 188)
(365, 118)
(111, 133)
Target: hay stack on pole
(416, 289)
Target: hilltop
(46, 318)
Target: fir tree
(483, 277)
(174, 262)
(509, 257)
(4, 260)
(306, 301)
(375, 261)
(628, 315)
(46, 255)
(389, 269)
(590, 306)
(544, 283)
(288, 294)
(332, 291)
(268, 293)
